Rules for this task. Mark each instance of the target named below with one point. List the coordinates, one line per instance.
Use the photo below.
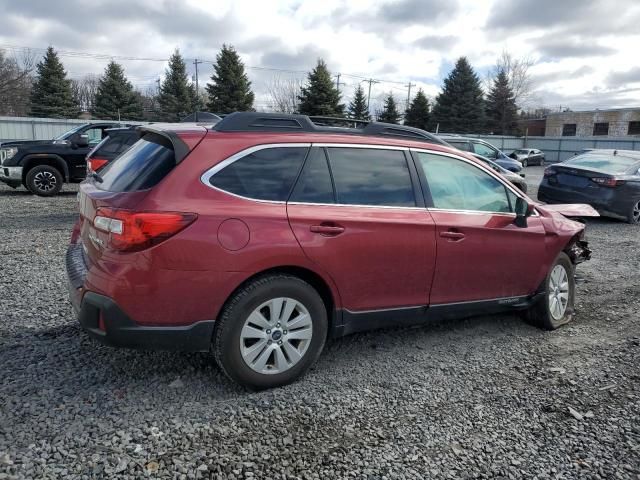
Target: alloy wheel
(558, 292)
(635, 213)
(45, 181)
(276, 335)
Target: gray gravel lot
(487, 397)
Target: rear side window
(314, 184)
(141, 167)
(267, 174)
(364, 176)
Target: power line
(104, 56)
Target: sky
(584, 52)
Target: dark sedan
(608, 180)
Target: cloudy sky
(585, 52)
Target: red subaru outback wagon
(261, 237)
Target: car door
(77, 155)
(482, 254)
(358, 214)
(485, 150)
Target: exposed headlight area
(6, 153)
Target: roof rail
(294, 123)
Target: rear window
(114, 145)
(612, 164)
(141, 167)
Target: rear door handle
(328, 230)
(455, 236)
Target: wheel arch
(55, 161)
(327, 291)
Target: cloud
(554, 48)
(621, 79)
(411, 12)
(436, 42)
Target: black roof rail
(294, 123)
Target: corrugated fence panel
(27, 128)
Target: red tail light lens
(607, 181)
(133, 231)
(95, 164)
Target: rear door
(482, 255)
(358, 213)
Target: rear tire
(556, 307)
(633, 217)
(270, 332)
(44, 181)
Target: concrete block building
(618, 122)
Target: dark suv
(42, 166)
(265, 235)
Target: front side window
(485, 150)
(458, 185)
(371, 176)
(267, 174)
(94, 135)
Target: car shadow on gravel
(25, 193)
(45, 357)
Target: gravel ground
(488, 397)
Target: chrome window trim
(206, 176)
(482, 167)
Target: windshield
(607, 163)
(67, 134)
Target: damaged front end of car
(578, 251)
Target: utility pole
(409, 85)
(158, 82)
(338, 82)
(370, 81)
(196, 62)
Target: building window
(569, 130)
(601, 128)
(634, 128)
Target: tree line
(461, 106)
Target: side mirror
(523, 211)
(80, 140)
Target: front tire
(525, 163)
(44, 181)
(556, 307)
(270, 332)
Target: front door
(482, 254)
(361, 221)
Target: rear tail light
(548, 172)
(607, 181)
(95, 164)
(132, 231)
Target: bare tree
(15, 82)
(517, 71)
(284, 92)
(84, 91)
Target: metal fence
(557, 149)
(28, 128)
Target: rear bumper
(102, 318)
(605, 206)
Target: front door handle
(451, 235)
(329, 230)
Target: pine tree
(501, 106)
(319, 96)
(51, 95)
(177, 97)
(230, 88)
(390, 112)
(358, 106)
(460, 106)
(417, 114)
(115, 97)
